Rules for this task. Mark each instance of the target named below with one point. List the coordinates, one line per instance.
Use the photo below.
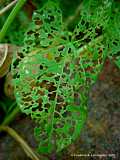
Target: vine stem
(20, 140)
(11, 116)
(10, 18)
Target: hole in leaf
(88, 39)
(50, 36)
(29, 42)
(43, 84)
(38, 22)
(115, 43)
(63, 37)
(52, 95)
(80, 35)
(56, 115)
(16, 76)
(30, 32)
(57, 78)
(50, 18)
(20, 54)
(16, 62)
(57, 59)
(69, 50)
(47, 105)
(53, 28)
(72, 76)
(66, 68)
(36, 35)
(82, 22)
(87, 24)
(98, 31)
(59, 11)
(26, 98)
(33, 109)
(41, 67)
(40, 104)
(76, 98)
(60, 99)
(52, 88)
(46, 110)
(60, 48)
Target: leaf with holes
(53, 72)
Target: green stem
(21, 141)
(11, 116)
(7, 7)
(10, 18)
(3, 127)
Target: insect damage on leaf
(52, 74)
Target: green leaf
(55, 72)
